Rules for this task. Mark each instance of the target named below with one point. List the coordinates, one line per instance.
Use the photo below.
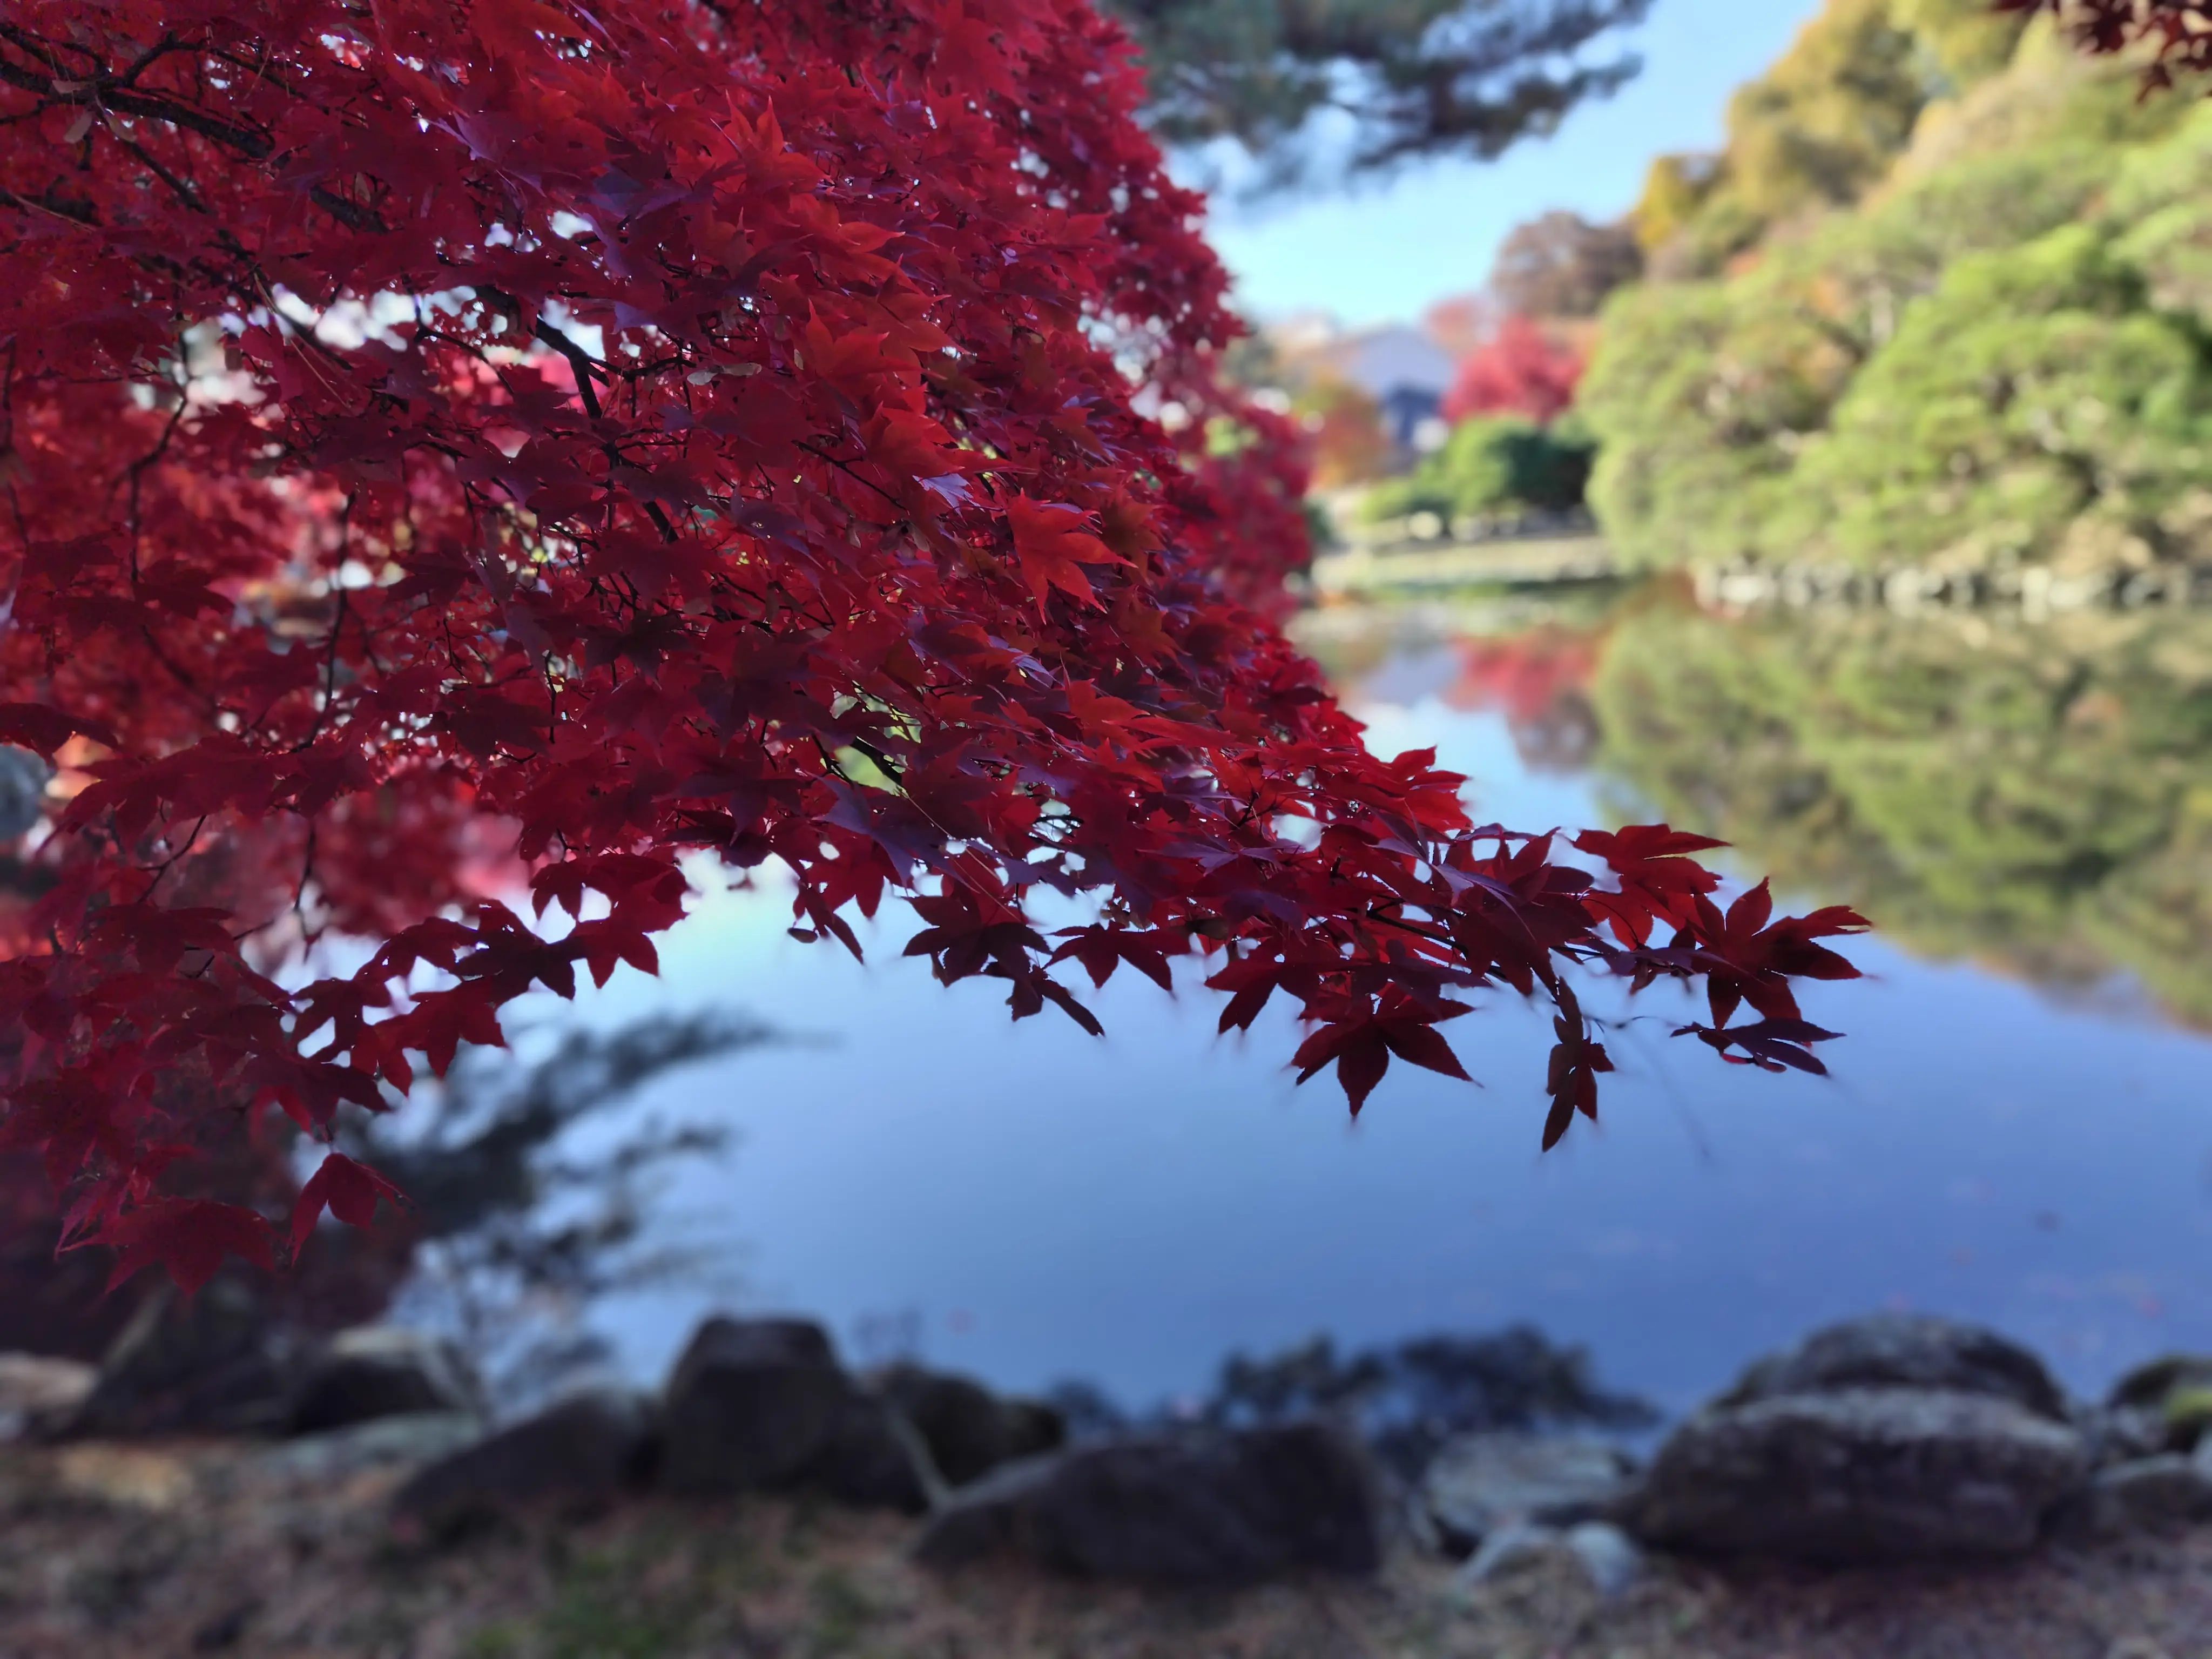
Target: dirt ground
(153, 1552)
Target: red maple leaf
(1051, 544)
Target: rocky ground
(220, 1547)
(1893, 1488)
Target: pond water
(2018, 1128)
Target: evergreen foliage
(1976, 334)
(2029, 398)
(1411, 78)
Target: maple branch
(581, 361)
(107, 92)
(162, 869)
(329, 667)
(138, 475)
(160, 49)
(306, 872)
(76, 213)
(36, 45)
(182, 191)
(883, 761)
(785, 607)
(846, 467)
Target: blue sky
(1387, 251)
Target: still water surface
(2018, 1130)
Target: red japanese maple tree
(586, 435)
(1518, 369)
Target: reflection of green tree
(2041, 796)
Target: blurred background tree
(536, 1189)
(1520, 369)
(1402, 79)
(1491, 468)
(1944, 293)
(1822, 128)
(1939, 302)
(1561, 265)
(1350, 443)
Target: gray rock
(575, 1457)
(2149, 1385)
(215, 1362)
(969, 1430)
(2161, 1493)
(1479, 1482)
(1033, 1426)
(2176, 1391)
(1860, 1475)
(1904, 1351)
(751, 1403)
(873, 1459)
(383, 1442)
(1608, 1555)
(763, 1404)
(381, 1371)
(2119, 1434)
(1194, 1509)
(37, 1391)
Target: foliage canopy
(1408, 78)
(455, 450)
(1561, 265)
(1992, 351)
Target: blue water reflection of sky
(1040, 1204)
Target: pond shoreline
(1375, 568)
(1560, 551)
(399, 1534)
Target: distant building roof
(1387, 359)
(1391, 364)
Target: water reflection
(2021, 810)
(2035, 797)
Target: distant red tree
(645, 430)
(1519, 370)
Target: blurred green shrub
(1491, 466)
